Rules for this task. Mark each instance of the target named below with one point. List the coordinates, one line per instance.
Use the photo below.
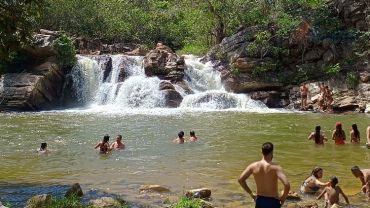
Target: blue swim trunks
(267, 202)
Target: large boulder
(107, 202)
(272, 99)
(173, 98)
(41, 89)
(164, 63)
(75, 190)
(240, 84)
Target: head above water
(119, 137)
(267, 148)
(192, 133)
(356, 171)
(43, 145)
(317, 172)
(181, 134)
(106, 138)
(333, 181)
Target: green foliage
(196, 49)
(66, 53)
(332, 69)
(362, 45)
(16, 61)
(235, 71)
(352, 79)
(187, 203)
(17, 21)
(261, 69)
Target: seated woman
(317, 136)
(355, 134)
(312, 184)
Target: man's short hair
(267, 148)
(333, 180)
(355, 168)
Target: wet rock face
(75, 190)
(354, 13)
(164, 63)
(173, 98)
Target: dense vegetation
(192, 26)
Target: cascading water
(127, 87)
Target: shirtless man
(266, 175)
(192, 137)
(368, 137)
(364, 176)
(304, 91)
(180, 139)
(118, 143)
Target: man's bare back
(266, 175)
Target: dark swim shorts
(267, 202)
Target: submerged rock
(154, 188)
(75, 190)
(202, 193)
(38, 201)
(107, 202)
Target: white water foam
(139, 94)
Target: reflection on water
(228, 141)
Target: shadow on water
(17, 194)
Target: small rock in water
(293, 196)
(199, 193)
(75, 190)
(155, 188)
(107, 202)
(38, 201)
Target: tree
(17, 21)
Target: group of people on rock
(325, 99)
(266, 175)
(339, 136)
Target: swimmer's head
(192, 133)
(317, 172)
(333, 181)
(318, 128)
(43, 145)
(106, 138)
(356, 171)
(119, 137)
(181, 134)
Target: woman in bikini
(338, 134)
(312, 184)
(104, 145)
(355, 134)
(317, 136)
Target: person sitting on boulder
(180, 139)
(104, 145)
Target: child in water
(104, 145)
(332, 193)
(43, 148)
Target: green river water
(228, 141)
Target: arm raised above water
(242, 180)
(282, 177)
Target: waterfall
(124, 85)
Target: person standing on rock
(364, 176)
(328, 99)
(304, 93)
(322, 97)
(266, 175)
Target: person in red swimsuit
(338, 134)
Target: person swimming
(312, 184)
(103, 145)
(43, 148)
(118, 143)
(355, 134)
(180, 139)
(317, 136)
(338, 134)
(192, 137)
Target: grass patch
(187, 203)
